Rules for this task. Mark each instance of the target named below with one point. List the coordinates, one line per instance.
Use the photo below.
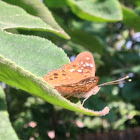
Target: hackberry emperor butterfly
(78, 78)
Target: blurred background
(116, 50)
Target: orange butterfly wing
(82, 67)
(57, 78)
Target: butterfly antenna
(119, 81)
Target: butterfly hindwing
(79, 89)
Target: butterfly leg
(90, 93)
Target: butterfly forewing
(76, 76)
(83, 67)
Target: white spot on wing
(80, 84)
(87, 64)
(81, 62)
(79, 70)
(87, 58)
(72, 70)
(94, 80)
(91, 65)
(84, 65)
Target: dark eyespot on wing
(55, 74)
(55, 77)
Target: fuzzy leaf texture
(130, 18)
(24, 60)
(39, 18)
(97, 11)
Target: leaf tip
(105, 111)
(63, 32)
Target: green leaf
(6, 130)
(89, 41)
(25, 60)
(32, 53)
(55, 3)
(97, 11)
(42, 19)
(134, 69)
(129, 88)
(137, 11)
(130, 18)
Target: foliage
(6, 131)
(33, 35)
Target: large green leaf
(55, 3)
(130, 18)
(25, 60)
(6, 130)
(15, 17)
(97, 11)
(90, 42)
(87, 40)
(32, 53)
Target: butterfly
(78, 78)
